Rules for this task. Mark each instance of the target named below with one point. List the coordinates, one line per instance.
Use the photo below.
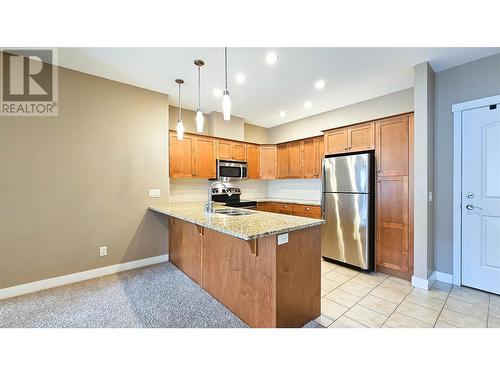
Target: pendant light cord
(180, 109)
(199, 87)
(225, 65)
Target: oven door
(228, 170)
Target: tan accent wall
(72, 183)
(382, 106)
(256, 134)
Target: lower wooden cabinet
(291, 209)
(185, 247)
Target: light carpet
(158, 296)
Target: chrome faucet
(209, 205)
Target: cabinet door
(204, 163)
(392, 148)
(185, 247)
(268, 162)
(285, 208)
(392, 224)
(321, 154)
(253, 159)
(272, 207)
(239, 151)
(307, 211)
(283, 160)
(181, 156)
(262, 206)
(224, 149)
(295, 159)
(310, 158)
(361, 137)
(336, 141)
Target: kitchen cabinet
(312, 156)
(253, 160)
(185, 247)
(394, 233)
(181, 156)
(285, 208)
(192, 157)
(229, 150)
(306, 211)
(290, 160)
(268, 162)
(353, 138)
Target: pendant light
(180, 125)
(226, 100)
(199, 114)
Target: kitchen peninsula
(264, 267)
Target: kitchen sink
(233, 212)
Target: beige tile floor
(351, 299)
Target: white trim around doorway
(457, 110)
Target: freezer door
(347, 174)
(345, 237)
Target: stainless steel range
(220, 195)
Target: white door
(481, 198)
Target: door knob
(471, 207)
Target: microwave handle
(241, 170)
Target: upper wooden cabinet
(253, 159)
(229, 150)
(312, 156)
(181, 156)
(192, 157)
(391, 153)
(350, 139)
(268, 162)
(283, 161)
(290, 160)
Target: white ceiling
(351, 74)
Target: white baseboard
(444, 277)
(420, 283)
(426, 284)
(79, 276)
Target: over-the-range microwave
(229, 170)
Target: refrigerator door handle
(323, 189)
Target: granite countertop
(245, 227)
(290, 201)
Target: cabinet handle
(378, 171)
(192, 173)
(378, 181)
(308, 209)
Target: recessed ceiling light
(319, 84)
(307, 105)
(217, 93)
(271, 58)
(240, 78)
(282, 113)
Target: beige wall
(234, 128)
(256, 134)
(423, 171)
(72, 183)
(477, 79)
(383, 106)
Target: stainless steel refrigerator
(348, 208)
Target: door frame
(457, 110)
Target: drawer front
(285, 208)
(273, 207)
(307, 211)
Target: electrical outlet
(154, 193)
(282, 238)
(103, 251)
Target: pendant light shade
(226, 100)
(199, 114)
(180, 124)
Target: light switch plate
(103, 251)
(282, 238)
(154, 193)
